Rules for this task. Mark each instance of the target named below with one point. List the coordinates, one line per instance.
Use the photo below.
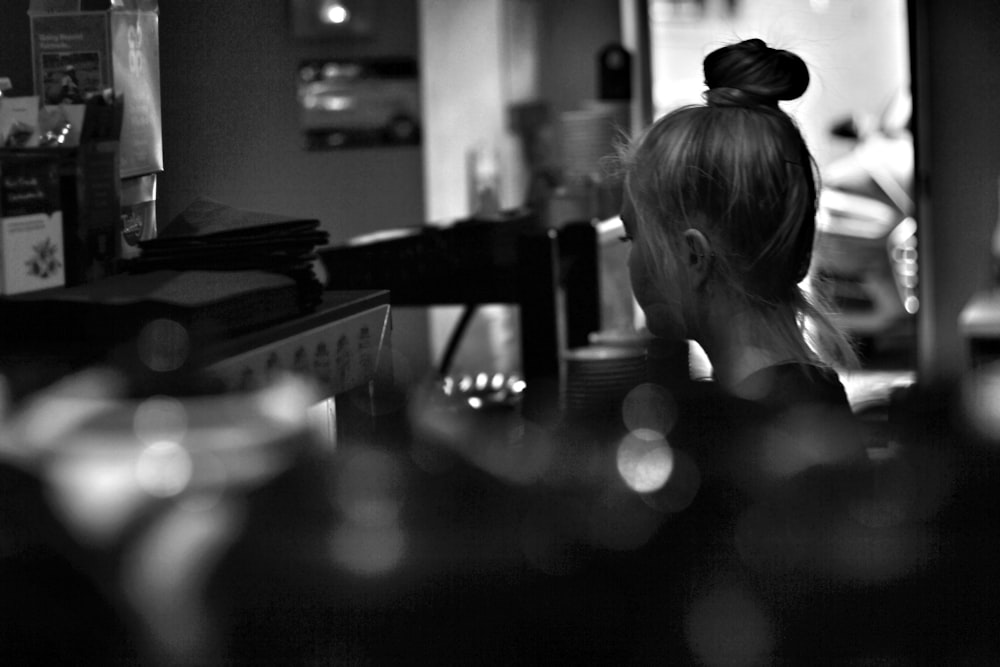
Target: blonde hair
(738, 170)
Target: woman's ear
(698, 255)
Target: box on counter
(19, 120)
(32, 252)
(85, 48)
(89, 198)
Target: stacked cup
(596, 380)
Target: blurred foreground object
(211, 529)
(140, 496)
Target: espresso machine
(550, 273)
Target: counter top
(30, 361)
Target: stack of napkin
(212, 236)
(114, 309)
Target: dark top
(791, 411)
(786, 385)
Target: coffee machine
(550, 273)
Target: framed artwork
(350, 103)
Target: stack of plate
(596, 379)
(628, 338)
(618, 111)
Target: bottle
(484, 186)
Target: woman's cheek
(659, 302)
(664, 319)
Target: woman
(720, 208)
(720, 202)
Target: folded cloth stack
(211, 236)
(214, 305)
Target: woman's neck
(739, 346)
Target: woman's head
(723, 196)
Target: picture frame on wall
(351, 103)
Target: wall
(465, 99)
(573, 32)
(15, 46)
(956, 82)
(231, 126)
(476, 64)
(479, 58)
(230, 123)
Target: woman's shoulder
(789, 419)
(794, 393)
(787, 385)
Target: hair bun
(750, 72)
